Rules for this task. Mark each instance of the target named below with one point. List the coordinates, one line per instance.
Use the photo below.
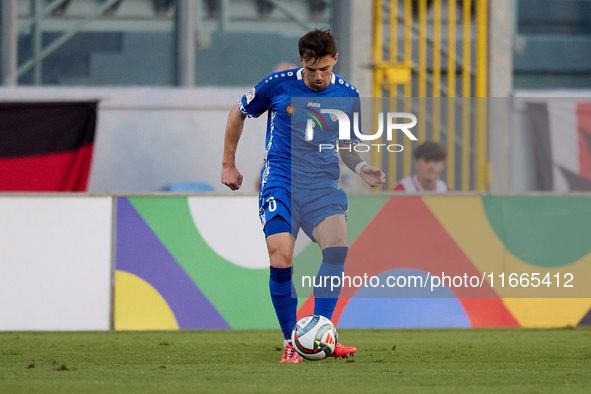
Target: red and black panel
(46, 146)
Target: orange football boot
(341, 351)
(290, 355)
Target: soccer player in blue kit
(308, 198)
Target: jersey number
(272, 204)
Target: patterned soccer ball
(314, 337)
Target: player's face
(429, 170)
(317, 73)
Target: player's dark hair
(430, 151)
(317, 44)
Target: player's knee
(331, 232)
(334, 240)
(340, 240)
(279, 242)
(280, 257)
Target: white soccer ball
(314, 337)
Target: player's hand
(231, 177)
(373, 176)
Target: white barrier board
(55, 263)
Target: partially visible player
(429, 161)
(306, 198)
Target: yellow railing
(481, 91)
(401, 69)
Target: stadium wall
(148, 138)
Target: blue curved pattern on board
(398, 311)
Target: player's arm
(231, 177)
(373, 176)
(252, 105)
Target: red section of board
(406, 235)
(307, 308)
(584, 136)
(488, 312)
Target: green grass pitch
(406, 361)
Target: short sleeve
(258, 100)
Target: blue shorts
(301, 208)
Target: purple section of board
(586, 320)
(140, 252)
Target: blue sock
(333, 264)
(285, 304)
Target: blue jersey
(290, 157)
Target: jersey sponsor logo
(290, 109)
(313, 104)
(250, 95)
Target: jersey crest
(290, 109)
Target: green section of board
(494, 209)
(362, 210)
(236, 292)
(549, 232)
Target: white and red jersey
(411, 184)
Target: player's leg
(280, 246)
(331, 236)
(275, 211)
(323, 218)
